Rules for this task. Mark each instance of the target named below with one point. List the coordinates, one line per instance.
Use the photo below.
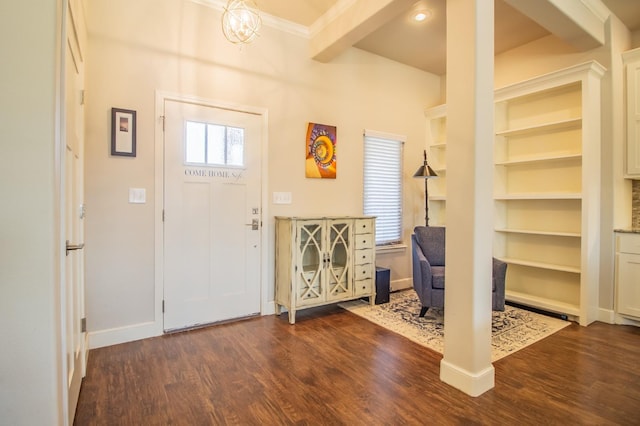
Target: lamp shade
(425, 171)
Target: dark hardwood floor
(335, 368)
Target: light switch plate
(281, 198)
(137, 195)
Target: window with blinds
(383, 184)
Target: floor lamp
(425, 172)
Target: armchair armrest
(499, 270)
(421, 270)
(499, 276)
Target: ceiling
(426, 48)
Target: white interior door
(212, 214)
(73, 303)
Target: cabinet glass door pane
(311, 246)
(310, 252)
(339, 266)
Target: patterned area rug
(512, 329)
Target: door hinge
(83, 325)
(162, 118)
(82, 97)
(163, 215)
(163, 306)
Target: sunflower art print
(320, 151)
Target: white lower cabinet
(628, 275)
(323, 260)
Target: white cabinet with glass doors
(323, 260)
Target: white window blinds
(383, 184)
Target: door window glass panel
(214, 144)
(195, 142)
(235, 146)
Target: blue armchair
(428, 248)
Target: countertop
(628, 230)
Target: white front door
(74, 286)
(73, 313)
(212, 214)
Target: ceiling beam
(578, 22)
(356, 22)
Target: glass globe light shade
(241, 21)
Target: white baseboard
(129, 333)
(619, 319)
(145, 330)
(606, 315)
(402, 284)
(469, 383)
(269, 308)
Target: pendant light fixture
(241, 21)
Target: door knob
(73, 247)
(255, 224)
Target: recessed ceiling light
(421, 15)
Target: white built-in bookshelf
(437, 158)
(546, 188)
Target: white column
(467, 346)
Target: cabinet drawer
(363, 226)
(362, 272)
(363, 287)
(308, 291)
(363, 257)
(629, 243)
(364, 241)
(309, 275)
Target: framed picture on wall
(320, 144)
(123, 132)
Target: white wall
(539, 57)
(31, 379)
(136, 48)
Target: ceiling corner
(578, 22)
(357, 21)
